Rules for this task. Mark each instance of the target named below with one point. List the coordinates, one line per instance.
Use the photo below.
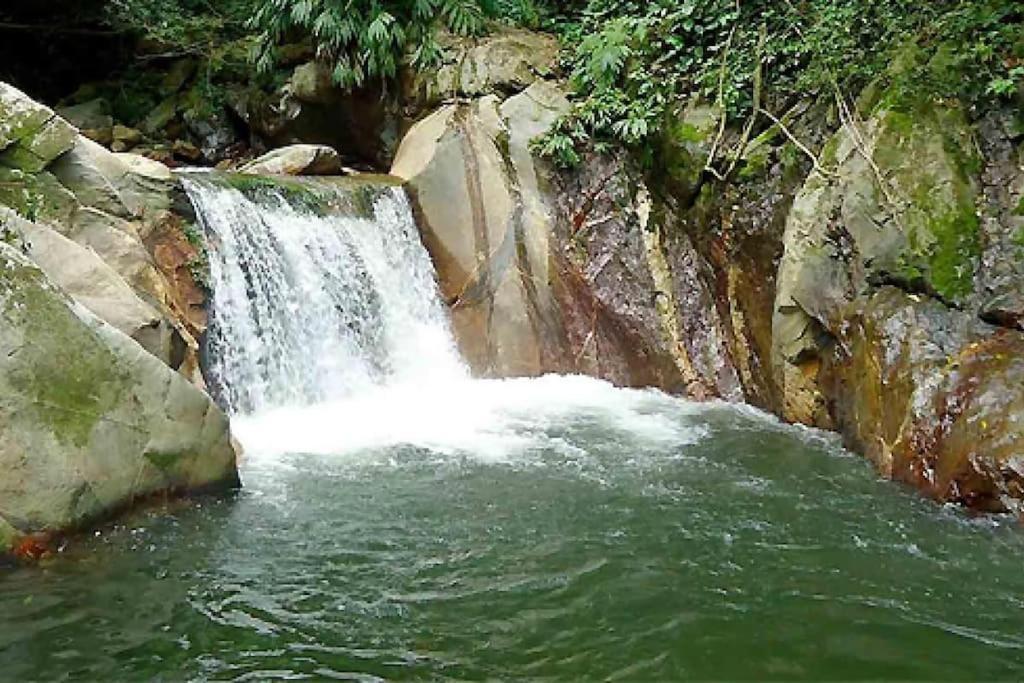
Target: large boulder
(296, 160)
(90, 422)
(122, 185)
(557, 272)
(92, 282)
(490, 245)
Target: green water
(728, 548)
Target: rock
(92, 119)
(365, 123)
(212, 130)
(92, 114)
(177, 251)
(486, 255)
(898, 209)
(120, 185)
(157, 120)
(39, 196)
(296, 160)
(125, 138)
(31, 135)
(932, 397)
(312, 83)
(80, 272)
(178, 75)
(507, 61)
(684, 147)
(546, 273)
(90, 422)
(1000, 280)
(186, 150)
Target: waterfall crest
(320, 289)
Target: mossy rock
(84, 409)
(931, 166)
(36, 196)
(351, 195)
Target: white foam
(488, 420)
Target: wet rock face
(896, 257)
(558, 272)
(634, 292)
(933, 397)
(474, 185)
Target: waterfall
(320, 290)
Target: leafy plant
(634, 61)
(369, 39)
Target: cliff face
(876, 291)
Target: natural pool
(551, 528)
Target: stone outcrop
(87, 209)
(933, 397)
(98, 337)
(897, 254)
(90, 421)
(553, 272)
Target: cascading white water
(328, 336)
(310, 308)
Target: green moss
(830, 153)
(755, 165)
(686, 132)
(35, 196)
(952, 257)
(8, 535)
(350, 196)
(939, 216)
(300, 196)
(68, 375)
(165, 460)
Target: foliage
(369, 39)
(214, 34)
(182, 24)
(633, 61)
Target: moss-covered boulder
(505, 62)
(895, 203)
(92, 282)
(90, 422)
(31, 135)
